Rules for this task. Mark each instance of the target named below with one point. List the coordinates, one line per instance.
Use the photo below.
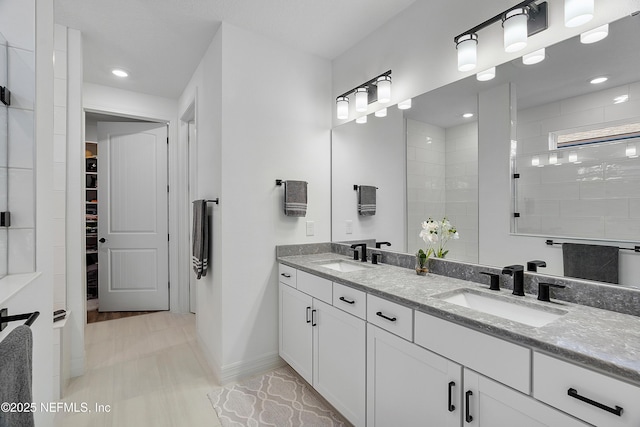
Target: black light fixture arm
(531, 5)
(365, 84)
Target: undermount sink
(526, 313)
(343, 265)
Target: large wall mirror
(4, 159)
(424, 161)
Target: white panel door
(133, 258)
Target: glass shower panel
(4, 250)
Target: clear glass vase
(422, 265)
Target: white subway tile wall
(592, 194)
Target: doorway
(126, 215)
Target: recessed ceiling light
(120, 73)
(620, 99)
(467, 115)
(598, 80)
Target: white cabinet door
(491, 404)
(339, 356)
(296, 333)
(408, 385)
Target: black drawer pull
(308, 320)
(390, 319)
(574, 393)
(287, 275)
(347, 301)
(467, 415)
(313, 318)
(451, 406)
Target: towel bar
(29, 317)
(356, 186)
(550, 242)
(216, 201)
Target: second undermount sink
(529, 314)
(343, 265)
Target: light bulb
(404, 105)
(553, 159)
(535, 161)
(534, 57)
(342, 107)
(361, 119)
(631, 151)
(486, 75)
(577, 12)
(381, 113)
(515, 29)
(595, 35)
(362, 99)
(384, 89)
(573, 157)
(467, 46)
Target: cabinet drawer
(350, 300)
(315, 286)
(287, 275)
(388, 315)
(503, 361)
(595, 398)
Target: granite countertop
(600, 339)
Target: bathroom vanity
(387, 347)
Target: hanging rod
(550, 242)
(356, 186)
(29, 317)
(216, 201)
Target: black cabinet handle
(574, 393)
(308, 308)
(390, 319)
(287, 275)
(451, 407)
(313, 318)
(347, 301)
(467, 415)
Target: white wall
(417, 44)
(370, 154)
(245, 141)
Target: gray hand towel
(200, 248)
(591, 262)
(295, 198)
(366, 200)
(16, 375)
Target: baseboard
(239, 370)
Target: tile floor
(151, 371)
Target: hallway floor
(149, 369)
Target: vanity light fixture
(381, 113)
(595, 35)
(119, 72)
(514, 24)
(577, 12)
(404, 105)
(467, 46)
(361, 120)
(342, 107)
(630, 151)
(467, 115)
(365, 95)
(534, 57)
(519, 22)
(384, 89)
(598, 80)
(486, 75)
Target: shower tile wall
(597, 197)
(442, 179)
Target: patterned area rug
(278, 398)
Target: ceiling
(565, 73)
(161, 42)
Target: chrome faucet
(363, 251)
(517, 271)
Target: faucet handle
(543, 290)
(375, 256)
(510, 269)
(533, 265)
(356, 256)
(495, 280)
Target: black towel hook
(29, 317)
